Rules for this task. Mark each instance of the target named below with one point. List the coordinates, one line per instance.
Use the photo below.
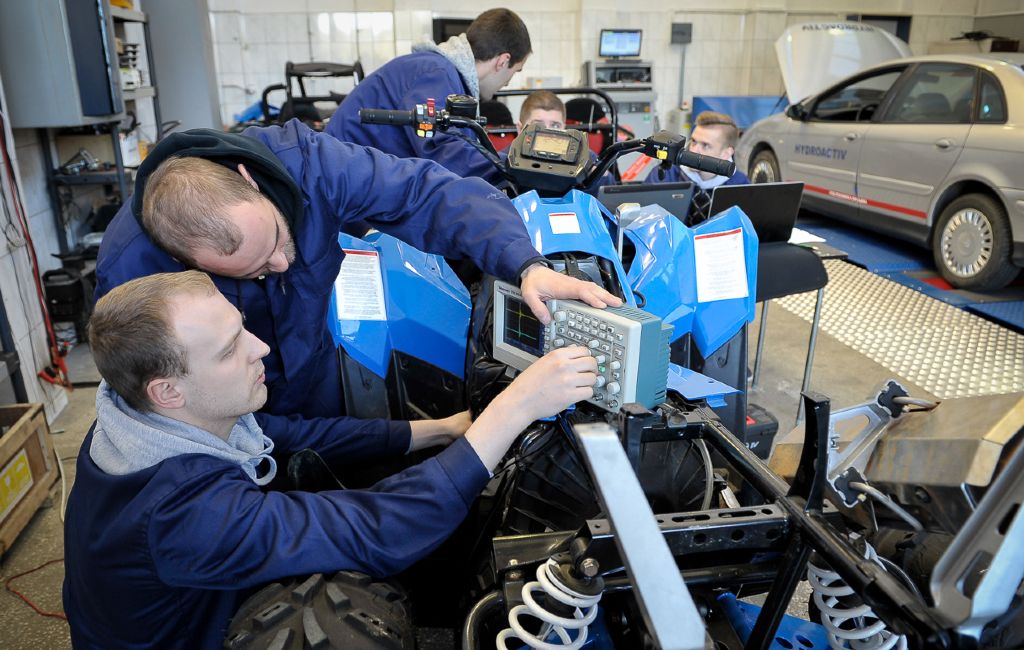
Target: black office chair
(501, 128)
(584, 110)
(785, 269)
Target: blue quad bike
(641, 525)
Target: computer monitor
(674, 197)
(771, 207)
(617, 43)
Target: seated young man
(542, 107)
(715, 135)
(167, 526)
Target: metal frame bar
(802, 514)
(665, 604)
(890, 600)
(989, 544)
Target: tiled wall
(731, 53)
(997, 7)
(17, 286)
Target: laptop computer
(674, 197)
(771, 207)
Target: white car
(928, 149)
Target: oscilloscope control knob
(593, 343)
(557, 343)
(560, 316)
(615, 365)
(600, 381)
(613, 388)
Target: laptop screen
(771, 207)
(674, 197)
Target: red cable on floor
(7, 585)
(57, 372)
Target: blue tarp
(745, 109)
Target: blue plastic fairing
(575, 222)
(717, 321)
(694, 386)
(662, 269)
(428, 310)
(664, 272)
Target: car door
(826, 146)
(908, 152)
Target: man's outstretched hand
(541, 283)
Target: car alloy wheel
(764, 168)
(967, 242)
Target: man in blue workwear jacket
(477, 63)
(715, 135)
(262, 211)
(167, 527)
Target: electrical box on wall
(58, 62)
(682, 33)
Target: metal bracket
(809, 481)
(976, 578)
(879, 413)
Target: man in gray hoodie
(167, 527)
(478, 63)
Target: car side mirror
(796, 112)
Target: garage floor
(871, 332)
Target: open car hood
(813, 56)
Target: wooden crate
(28, 467)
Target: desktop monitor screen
(620, 42)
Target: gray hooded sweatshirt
(457, 50)
(125, 440)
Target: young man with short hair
(715, 135)
(542, 107)
(167, 527)
(477, 63)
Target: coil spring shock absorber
(564, 591)
(850, 626)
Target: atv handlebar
(385, 116)
(669, 148)
(716, 166)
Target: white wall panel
(732, 50)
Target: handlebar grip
(706, 163)
(385, 116)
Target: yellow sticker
(15, 482)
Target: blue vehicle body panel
(694, 386)
(716, 322)
(575, 222)
(661, 270)
(793, 632)
(664, 272)
(428, 310)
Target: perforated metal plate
(945, 350)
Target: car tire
(972, 244)
(764, 168)
(346, 610)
